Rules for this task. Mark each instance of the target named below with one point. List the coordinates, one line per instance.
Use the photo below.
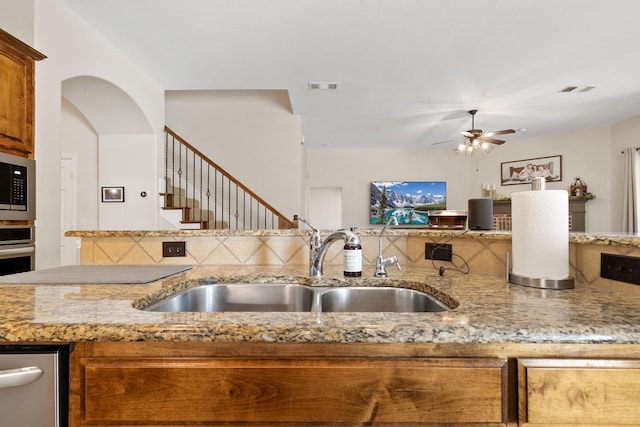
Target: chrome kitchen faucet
(318, 248)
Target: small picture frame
(113, 194)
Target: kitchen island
(488, 361)
(488, 309)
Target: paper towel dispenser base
(567, 283)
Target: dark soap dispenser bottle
(352, 259)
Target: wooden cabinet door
(17, 67)
(578, 392)
(210, 391)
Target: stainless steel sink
(355, 299)
(239, 297)
(280, 297)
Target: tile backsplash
(482, 255)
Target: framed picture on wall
(408, 201)
(523, 171)
(112, 194)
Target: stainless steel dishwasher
(34, 385)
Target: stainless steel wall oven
(17, 249)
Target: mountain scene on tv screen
(408, 201)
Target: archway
(106, 141)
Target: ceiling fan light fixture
(487, 148)
(476, 139)
(459, 149)
(468, 148)
(469, 151)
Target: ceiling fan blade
(499, 132)
(491, 140)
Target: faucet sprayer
(382, 263)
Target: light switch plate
(174, 249)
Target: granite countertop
(489, 310)
(616, 239)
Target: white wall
(353, 171)
(17, 19)
(325, 208)
(80, 141)
(129, 162)
(585, 153)
(107, 166)
(251, 134)
(73, 49)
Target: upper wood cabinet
(17, 69)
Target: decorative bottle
(352, 260)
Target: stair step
(168, 199)
(203, 224)
(175, 218)
(183, 226)
(186, 211)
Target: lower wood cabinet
(286, 391)
(578, 392)
(238, 384)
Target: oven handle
(17, 251)
(20, 376)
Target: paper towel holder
(516, 279)
(537, 184)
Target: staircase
(183, 216)
(199, 194)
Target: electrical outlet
(173, 249)
(438, 251)
(620, 267)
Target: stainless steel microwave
(17, 188)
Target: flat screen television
(408, 201)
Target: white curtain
(631, 190)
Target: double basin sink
(291, 297)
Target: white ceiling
(408, 70)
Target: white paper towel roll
(540, 234)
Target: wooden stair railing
(210, 196)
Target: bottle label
(353, 260)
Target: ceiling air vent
(576, 89)
(323, 86)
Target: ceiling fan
(475, 139)
(484, 137)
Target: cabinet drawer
(207, 391)
(579, 391)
